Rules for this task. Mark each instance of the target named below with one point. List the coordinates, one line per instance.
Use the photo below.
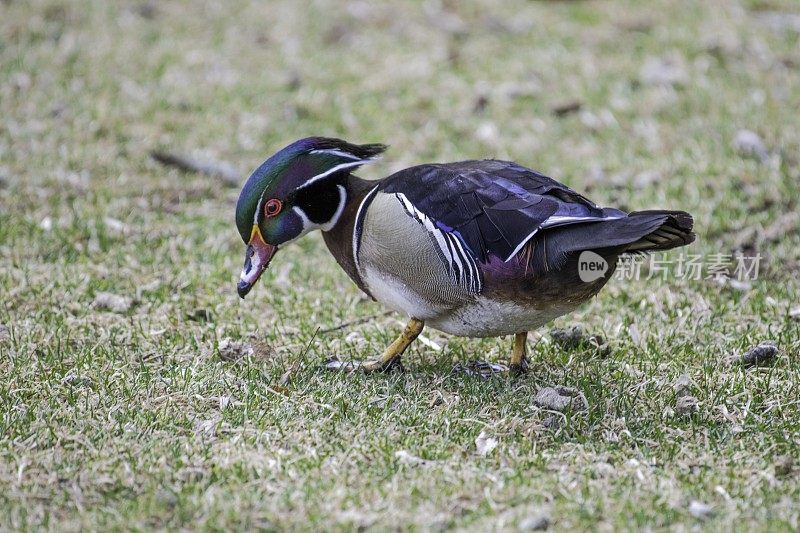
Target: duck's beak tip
(256, 259)
(243, 288)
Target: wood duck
(474, 248)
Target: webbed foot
(389, 360)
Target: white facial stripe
(337, 153)
(258, 207)
(305, 221)
(308, 225)
(330, 171)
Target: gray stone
(535, 523)
(561, 398)
(748, 144)
(763, 354)
(115, 303)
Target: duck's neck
(339, 238)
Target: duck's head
(299, 189)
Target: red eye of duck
(272, 207)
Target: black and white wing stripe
(456, 257)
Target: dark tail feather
(674, 229)
(639, 232)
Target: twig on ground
(221, 169)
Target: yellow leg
(392, 354)
(519, 364)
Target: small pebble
(683, 385)
(354, 337)
(406, 458)
(779, 20)
(700, 510)
(116, 227)
(487, 132)
(548, 398)
(565, 108)
(604, 470)
(334, 363)
(166, 498)
(200, 315)
(224, 402)
(112, 302)
(553, 422)
(748, 144)
(484, 444)
(686, 405)
(561, 398)
(739, 285)
(480, 103)
(231, 350)
(571, 337)
(795, 313)
(535, 523)
(5, 333)
(784, 466)
(763, 354)
(72, 379)
(574, 337)
(664, 71)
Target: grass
(131, 419)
